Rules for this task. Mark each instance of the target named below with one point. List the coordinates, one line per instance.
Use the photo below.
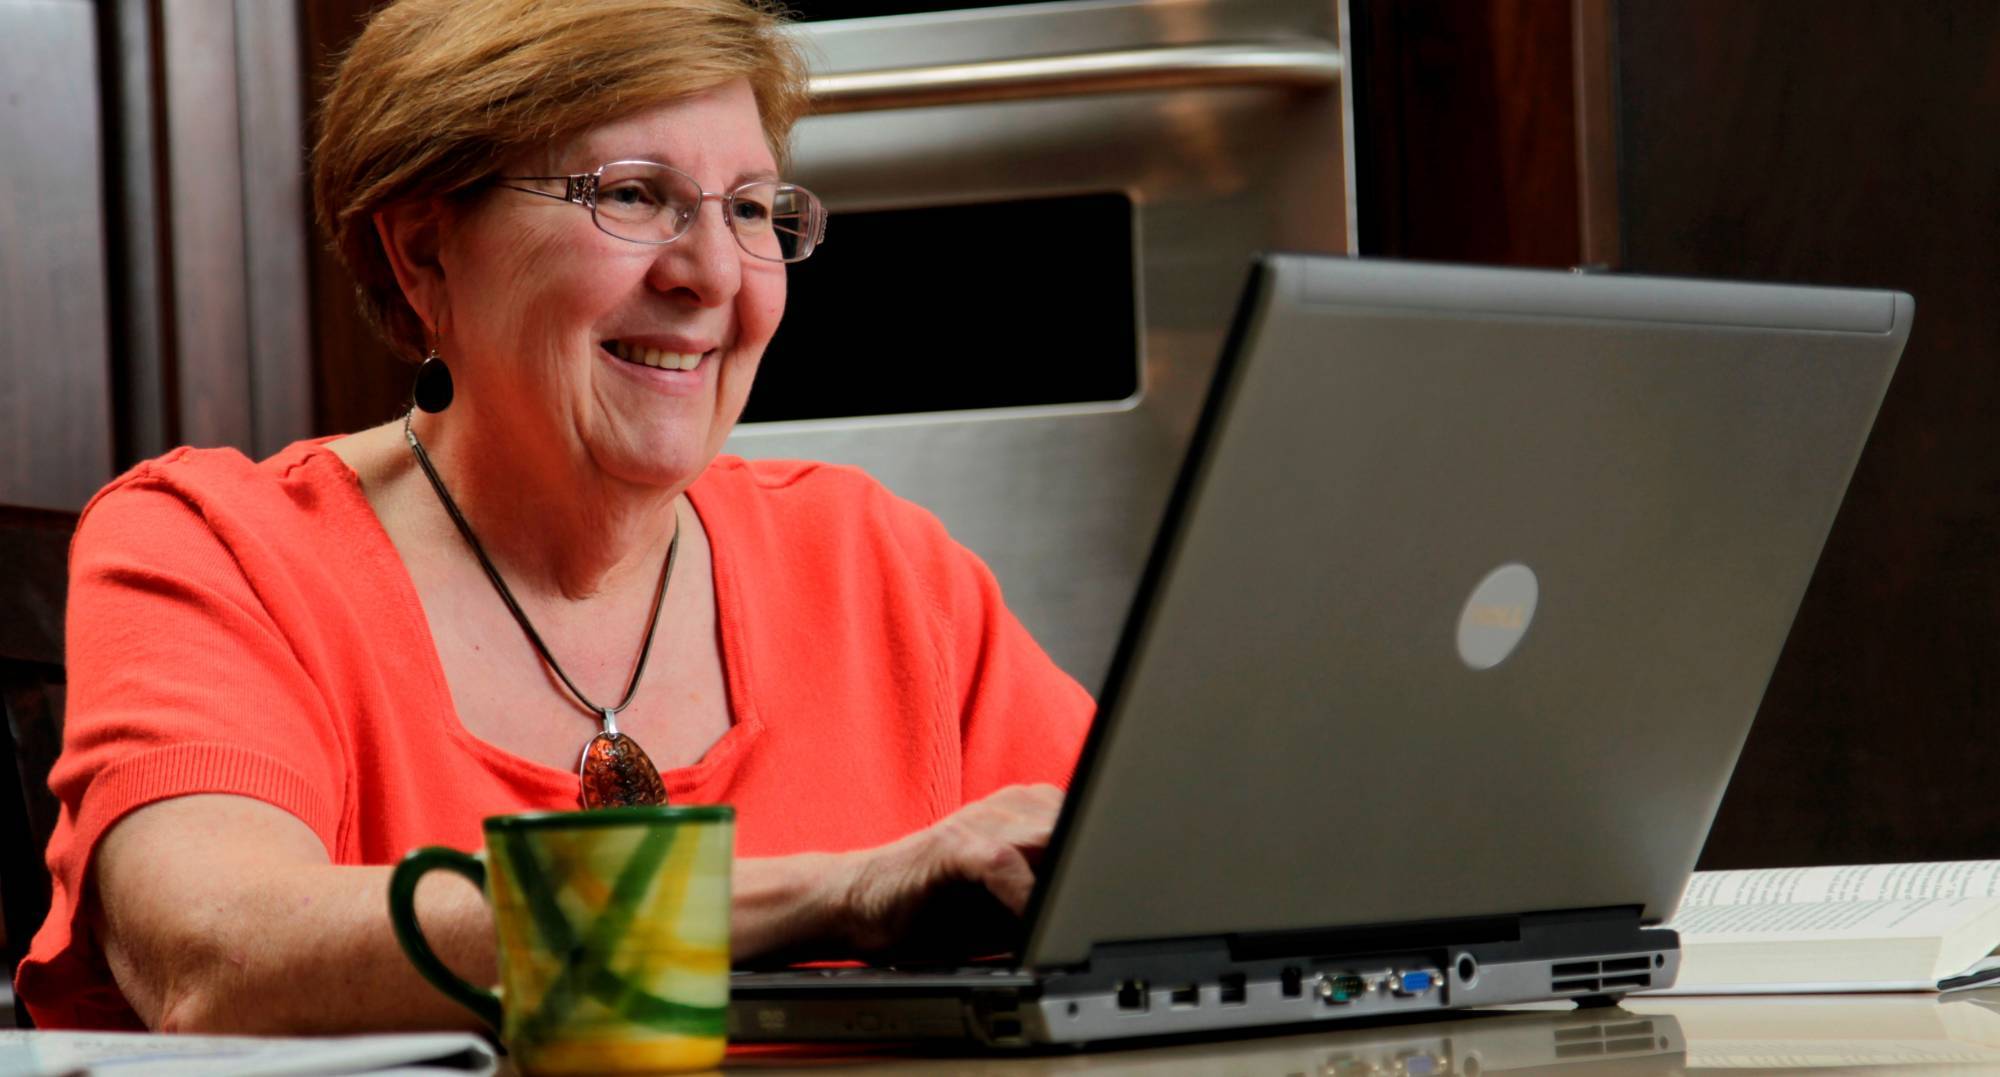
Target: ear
(411, 234)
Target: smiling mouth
(653, 357)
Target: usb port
(1185, 997)
(1235, 989)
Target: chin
(664, 462)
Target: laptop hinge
(1498, 934)
(1375, 938)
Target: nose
(705, 262)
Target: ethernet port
(1132, 996)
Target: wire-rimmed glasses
(648, 202)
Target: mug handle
(403, 916)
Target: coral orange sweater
(248, 628)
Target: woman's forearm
(784, 904)
(310, 951)
(220, 914)
(325, 959)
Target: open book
(60, 1054)
(1873, 927)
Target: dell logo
(1485, 616)
(1496, 615)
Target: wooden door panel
(55, 403)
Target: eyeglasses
(648, 202)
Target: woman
(286, 674)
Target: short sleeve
(180, 682)
(1021, 718)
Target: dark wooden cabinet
(1853, 142)
(55, 350)
(153, 274)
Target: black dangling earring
(432, 391)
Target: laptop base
(1215, 985)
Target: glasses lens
(645, 202)
(775, 221)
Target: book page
(1858, 882)
(1902, 944)
(1771, 921)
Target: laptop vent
(1601, 977)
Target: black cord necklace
(613, 770)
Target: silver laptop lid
(1466, 599)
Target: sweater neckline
(704, 780)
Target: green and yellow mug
(613, 933)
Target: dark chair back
(34, 580)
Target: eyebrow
(664, 159)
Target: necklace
(612, 770)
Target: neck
(553, 524)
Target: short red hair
(435, 94)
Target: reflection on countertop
(1902, 1033)
(1602, 1041)
(1877, 1035)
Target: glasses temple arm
(573, 190)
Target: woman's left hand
(956, 888)
(968, 875)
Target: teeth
(654, 357)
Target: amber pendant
(616, 773)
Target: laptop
(1459, 613)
